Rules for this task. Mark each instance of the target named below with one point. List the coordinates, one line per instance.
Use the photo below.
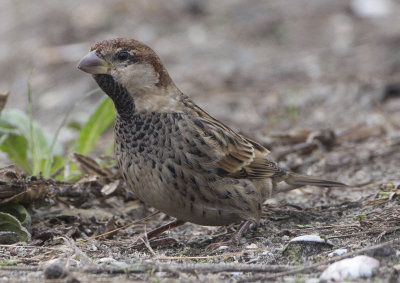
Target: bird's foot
(148, 239)
(234, 241)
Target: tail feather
(302, 180)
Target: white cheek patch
(137, 77)
(141, 82)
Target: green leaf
(58, 162)
(19, 211)
(9, 262)
(15, 146)
(101, 119)
(25, 142)
(10, 223)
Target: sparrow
(175, 156)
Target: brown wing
(237, 156)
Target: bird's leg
(235, 238)
(156, 232)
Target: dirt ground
(317, 82)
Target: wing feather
(237, 156)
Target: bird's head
(132, 65)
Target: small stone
(268, 253)
(252, 247)
(350, 268)
(311, 238)
(236, 273)
(55, 270)
(305, 246)
(111, 261)
(120, 264)
(237, 257)
(106, 260)
(161, 274)
(222, 248)
(371, 8)
(337, 252)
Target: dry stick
(30, 247)
(215, 268)
(117, 229)
(173, 268)
(190, 267)
(354, 234)
(318, 264)
(230, 254)
(21, 268)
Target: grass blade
(52, 163)
(101, 119)
(15, 147)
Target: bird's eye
(123, 55)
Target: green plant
(15, 222)
(25, 142)
(98, 122)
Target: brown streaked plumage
(175, 156)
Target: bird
(174, 155)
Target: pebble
(236, 273)
(252, 247)
(371, 8)
(305, 246)
(222, 248)
(110, 260)
(55, 270)
(311, 238)
(350, 268)
(337, 252)
(267, 253)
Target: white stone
(110, 260)
(351, 268)
(337, 252)
(371, 8)
(222, 248)
(310, 238)
(251, 247)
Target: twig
(213, 268)
(230, 254)
(119, 228)
(30, 247)
(190, 267)
(355, 234)
(173, 268)
(318, 264)
(21, 268)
